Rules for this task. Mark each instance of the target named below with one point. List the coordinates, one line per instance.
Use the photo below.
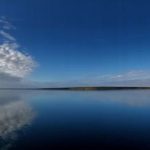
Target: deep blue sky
(73, 39)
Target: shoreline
(100, 88)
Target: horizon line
(82, 88)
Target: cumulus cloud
(14, 64)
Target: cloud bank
(14, 64)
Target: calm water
(67, 120)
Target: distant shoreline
(100, 88)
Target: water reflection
(74, 120)
(15, 114)
(132, 98)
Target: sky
(75, 42)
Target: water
(75, 120)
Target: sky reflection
(15, 114)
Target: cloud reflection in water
(15, 114)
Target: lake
(75, 120)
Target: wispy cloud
(6, 25)
(14, 64)
(130, 78)
(131, 75)
(7, 36)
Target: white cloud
(14, 64)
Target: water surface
(75, 120)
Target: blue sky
(82, 39)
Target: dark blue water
(73, 120)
